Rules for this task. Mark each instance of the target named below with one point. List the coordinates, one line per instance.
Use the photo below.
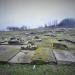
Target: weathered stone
(38, 40)
(22, 57)
(7, 52)
(15, 41)
(52, 34)
(29, 47)
(59, 46)
(64, 57)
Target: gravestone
(64, 57)
(15, 41)
(21, 57)
(29, 47)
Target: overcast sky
(34, 13)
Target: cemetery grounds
(43, 52)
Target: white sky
(34, 12)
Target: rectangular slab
(7, 52)
(64, 57)
(43, 54)
(22, 57)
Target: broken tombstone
(15, 41)
(29, 47)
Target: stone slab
(44, 55)
(21, 57)
(64, 57)
(7, 52)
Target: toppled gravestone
(37, 39)
(29, 47)
(59, 46)
(15, 41)
(64, 57)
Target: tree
(23, 28)
(46, 26)
(17, 28)
(13, 28)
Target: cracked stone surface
(22, 57)
(64, 57)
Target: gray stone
(64, 57)
(59, 46)
(22, 57)
(29, 47)
(15, 41)
(38, 40)
(52, 34)
(7, 52)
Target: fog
(34, 13)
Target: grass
(19, 69)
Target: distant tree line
(50, 25)
(69, 22)
(12, 28)
(65, 23)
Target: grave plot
(22, 57)
(15, 41)
(43, 55)
(7, 52)
(64, 57)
